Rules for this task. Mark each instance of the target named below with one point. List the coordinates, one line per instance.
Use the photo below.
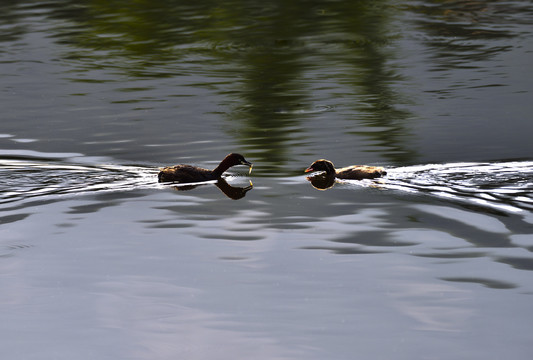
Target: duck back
(359, 172)
(185, 174)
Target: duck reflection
(326, 181)
(233, 192)
(322, 181)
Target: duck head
(229, 161)
(322, 165)
(236, 159)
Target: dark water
(98, 260)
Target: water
(98, 260)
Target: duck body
(185, 174)
(360, 172)
(355, 172)
(190, 174)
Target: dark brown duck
(190, 174)
(355, 172)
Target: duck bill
(309, 169)
(249, 164)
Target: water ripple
(505, 186)
(23, 179)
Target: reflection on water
(98, 260)
(322, 181)
(266, 69)
(161, 321)
(233, 192)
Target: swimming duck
(355, 172)
(190, 174)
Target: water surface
(98, 260)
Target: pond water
(100, 261)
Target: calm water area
(100, 261)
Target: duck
(354, 172)
(190, 174)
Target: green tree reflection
(264, 50)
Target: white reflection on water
(434, 306)
(161, 320)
